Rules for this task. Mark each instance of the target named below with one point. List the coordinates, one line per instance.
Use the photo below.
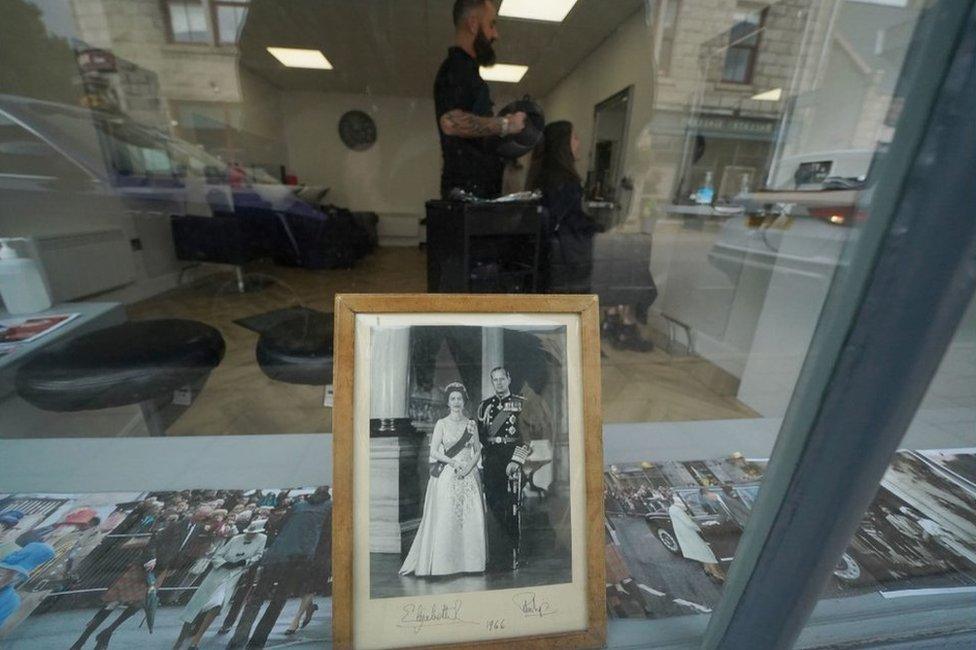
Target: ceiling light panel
(504, 72)
(551, 11)
(296, 58)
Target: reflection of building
(204, 94)
(733, 80)
(794, 76)
(113, 83)
(745, 95)
(843, 93)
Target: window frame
(877, 346)
(214, 19)
(168, 20)
(664, 63)
(753, 50)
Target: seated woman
(624, 284)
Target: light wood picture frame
(534, 577)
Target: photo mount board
(583, 311)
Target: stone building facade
(812, 84)
(204, 94)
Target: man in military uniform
(504, 451)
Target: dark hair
(552, 160)
(456, 387)
(503, 369)
(463, 7)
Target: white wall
(394, 178)
(262, 122)
(625, 58)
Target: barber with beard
(464, 106)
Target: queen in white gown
(451, 536)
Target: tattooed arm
(467, 125)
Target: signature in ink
(417, 616)
(532, 607)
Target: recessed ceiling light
(296, 58)
(552, 11)
(773, 95)
(507, 72)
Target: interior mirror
(607, 157)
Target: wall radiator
(85, 263)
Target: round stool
(298, 350)
(139, 362)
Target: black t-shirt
(469, 163)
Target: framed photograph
(468, 498)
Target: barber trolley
(485, 247)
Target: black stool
(298, 350)
(139, 362)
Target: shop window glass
(915, 548)
(237, 195)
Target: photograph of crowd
(673, 528)
(181, 569)
(252, 568)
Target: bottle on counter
(744, 184)
(706, 193)
(22, 285)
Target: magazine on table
(18, 330)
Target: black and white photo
(470, 478)
(482, 501)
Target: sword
(515, 489)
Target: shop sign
(714, 125)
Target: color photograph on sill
(673, 529)
(666, 521)
(173, 569)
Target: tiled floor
(240, 399)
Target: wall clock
(357, 130)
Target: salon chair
(138, 362)
(298, 350)
(484, 247)
(220, 239)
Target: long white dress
(217, 588)
(451, 536)
(687, 531)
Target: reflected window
(138, 152)
(24, 155)
(740, 58)
(229, 21)
(667, 25)
(187, 21)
